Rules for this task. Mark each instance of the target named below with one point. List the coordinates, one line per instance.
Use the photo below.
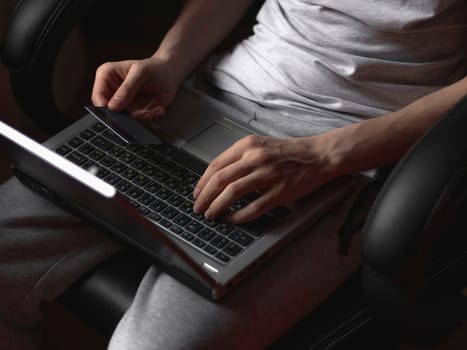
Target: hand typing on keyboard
(281, 169)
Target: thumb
(127, 90)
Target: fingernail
(115, 101)
(208, 215)
(196, 193)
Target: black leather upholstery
(30, 48)
(101, 297)
(397, 231)
(414, 243)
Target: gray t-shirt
(327, 63)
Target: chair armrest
(33, 39)
(414, 242)
(399, 227)
(101, 297)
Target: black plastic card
(126, 127)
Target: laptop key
(163, 193)
(164, 149)
(199, 217)
(166, 223)
(112, 179)
(86, 148)
(211, 223)
(166, 164)
(187, 207)
(129, 173)
(87, 134)
(158, 206)
(179, 171)
(222, 257)
(193, 226)
(150, 170)
(206, 234)
(102, 173)
(127, 157)
(241, 237)
(172, 183)
(101, 143)
(63, 150)
(119, 167)
(176, 229)
(75, 142)
(140, 180)
(134, 203)
(139, 164)
(89, 165)
(134, 192)
(146, 199)
(152, 186)
(224, 228)
(143, 210)
(96, 154)
(154, 217)
(98, 127)
(199, 243)
(191, 178)
(210, 249)
(107, 161)
(77, 158)
(185, 190)
(170, 213)
(188, 236)
(219, 241)
(123, 186)
(176, 200)
(182, 220)
(143, 151)
(232, 249)
(116, 151)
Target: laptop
(141, 192)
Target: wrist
(329, 149)
(173, 65)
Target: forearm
(384, 140)
(201, 25)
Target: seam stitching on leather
(337, 328)
(47, 28)
(350, 331)
(15, 10)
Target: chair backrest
(30, 47)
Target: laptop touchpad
(213, 141)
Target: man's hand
(143, 88)
(281, 169)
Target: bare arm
(201, 25)
(145, 87)
(384, 140)
(286, 169)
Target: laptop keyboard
(158, 180)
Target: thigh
(167, 315)
(43, 250)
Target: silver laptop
(142, 193)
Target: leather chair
(414, 246)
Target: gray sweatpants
(43, 250)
